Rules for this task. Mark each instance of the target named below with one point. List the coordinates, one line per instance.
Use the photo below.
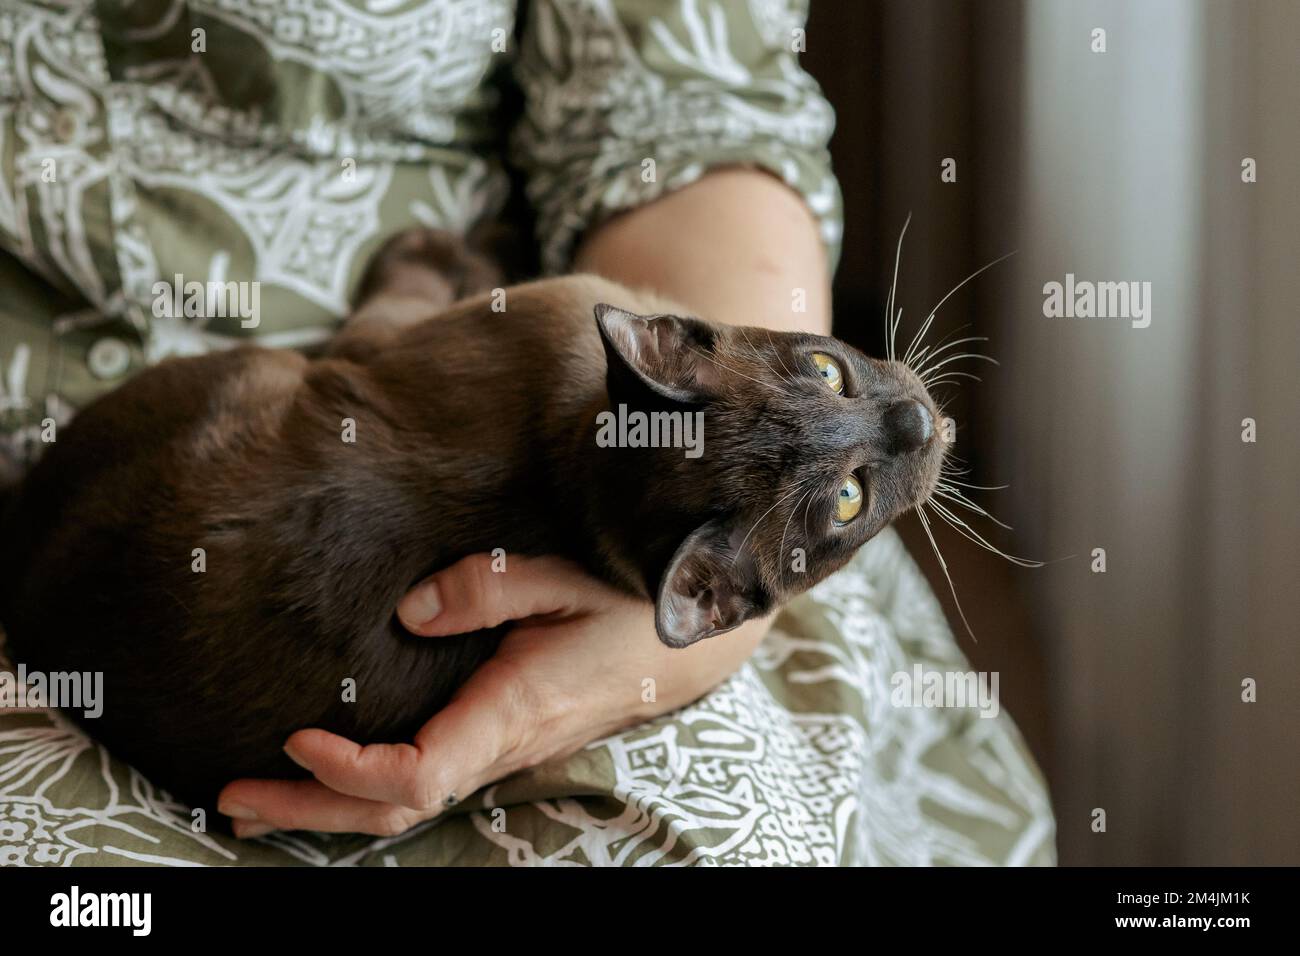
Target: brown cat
(471, 430)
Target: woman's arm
(736, 246)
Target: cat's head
(809, 448)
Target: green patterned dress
(283, 141)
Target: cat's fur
(475, 430)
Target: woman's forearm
(737, 246)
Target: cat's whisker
(955, 373)
(979, 541)
(917, 339)
(951, 292)
(920, 355)
(781, 548)
(807, 505)
(961, 484)
(920, 513)
(927, 361)
(787, 378)
(752, 347)
(919, 360)
(930, 373)
(755, 525)
(891, 322)
(945, 380)
(769, 385)
(952, 494)
(971, 534)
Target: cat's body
(226, 537)
(242, 455)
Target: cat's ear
(706, 591)
(670, 354)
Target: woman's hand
(575, 667)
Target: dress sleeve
(627, 100)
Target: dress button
(65, 125)
(109, 358)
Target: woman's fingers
(386, 773)
(385, 789)
(259, 806)
(380, 788)
(484, 734)
(454, 753)
(481, 591)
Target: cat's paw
(432, 264)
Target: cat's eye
(848, 501)
(830, 371)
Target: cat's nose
(909, 425)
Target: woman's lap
(815, 752)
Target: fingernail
(421, 605)
(296, 759)
(247, 831)
(236, 811)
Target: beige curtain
(1129, 439)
